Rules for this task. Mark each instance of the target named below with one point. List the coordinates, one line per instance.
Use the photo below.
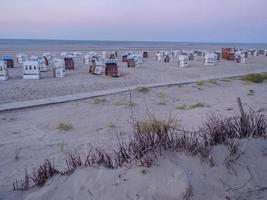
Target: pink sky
(168, 20)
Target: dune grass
(64, 126)
(255, 78)
(193, 106)
(149, 139)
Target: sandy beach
(32, 133)
(149, 72)
(137, 100)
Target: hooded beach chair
(3, 70)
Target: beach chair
(231, 56)
(166, 58)
(111, 68)
(9, 60)
(225, 53)
(183, 61)
(96, 67)
(261, 52)
(104, 55)
(59, 68)
(69, 63)
(145, 54)
(124, 58)
(43, 64)
(3, 71)
(211, 59)
(131, 62)
(31, 70)
(48, 58)
(21, 58)
(158, 57)
(191, 57)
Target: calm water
(12, 45)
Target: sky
(242, 21)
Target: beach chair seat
(124, 58)
(145, 54)
(96, 67)
(158, 57)
(166, 58)
(31, 70)
(131, 63)
(111, 68)
(3, 71)
(69, 63)
(59, 68)
(183, 61)
(21, 58)
(211, 59)
(9, 61)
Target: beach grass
(255, 78)
(193, 106)
(64, 126)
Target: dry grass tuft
(64, 126)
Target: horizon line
(107, 40)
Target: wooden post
(239, 103)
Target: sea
(83, 45)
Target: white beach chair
(104, 55)
(31, 70)
(21, 58)
(158, 57)
(242, 58)
(183, 61)
(3, 71)
(211, 59)
(98, 67)
(59, 68)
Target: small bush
(64, 126)
(154, 125)
(255, 78)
